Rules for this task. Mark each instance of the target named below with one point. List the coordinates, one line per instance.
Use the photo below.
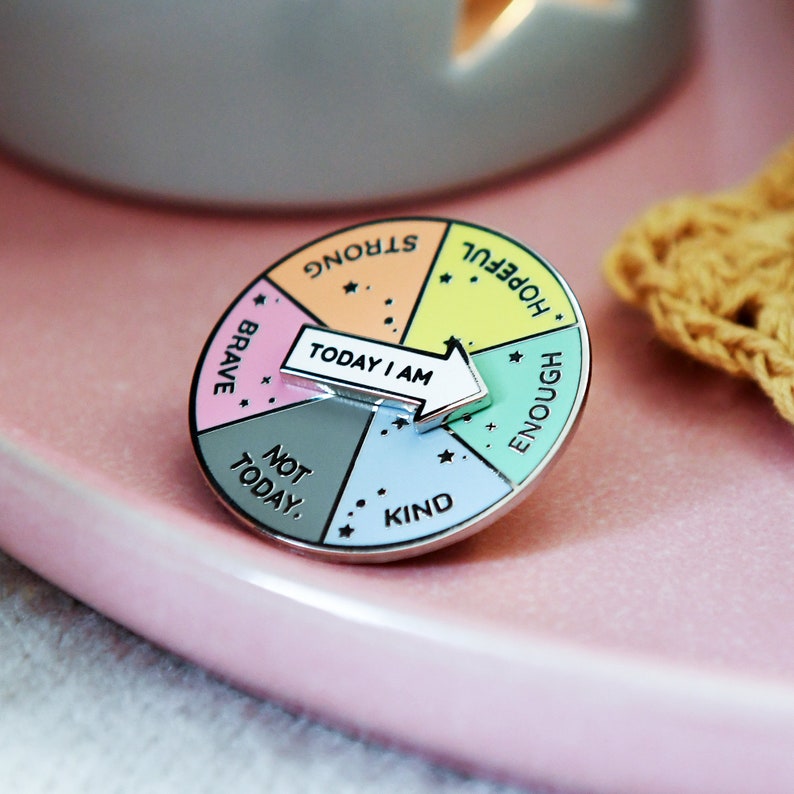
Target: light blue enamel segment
(407, 485)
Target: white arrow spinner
(435, 387)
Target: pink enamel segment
(240, 372)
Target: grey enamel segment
(284, 470)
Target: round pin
(390, 388)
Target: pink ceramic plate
(627, 628)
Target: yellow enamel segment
(486, 290)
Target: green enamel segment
(533, 386)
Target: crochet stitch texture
(716, 275)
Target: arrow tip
(461, 390)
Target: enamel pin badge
(389, 389)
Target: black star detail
(346, 531)
(350, 287)
(446, 456)
(451, 341)
(516, 357)
(446, 278)
(259, 300)
(381, 492)
(474, 279)
(559, 317)
(243, 403)
(490, 427)
(266, 380)
(400, 422)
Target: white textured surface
(86, 706)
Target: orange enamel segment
(364, 280)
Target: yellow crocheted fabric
(716, 274)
